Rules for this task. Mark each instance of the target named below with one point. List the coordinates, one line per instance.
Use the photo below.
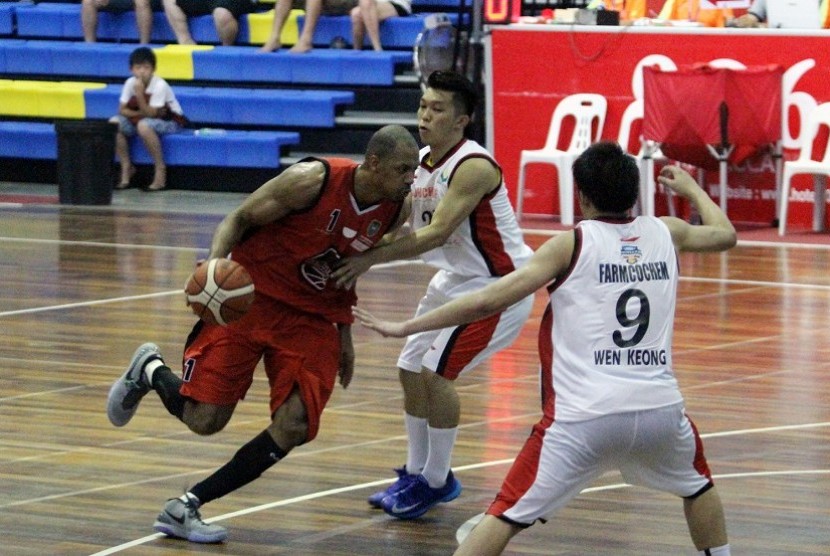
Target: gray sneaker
(128, 390)
(182, 520)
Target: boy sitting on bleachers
(147, 108)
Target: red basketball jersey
(290, 260)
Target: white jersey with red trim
(489, 242)
(612, 323)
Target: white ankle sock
(150, 368)
(717, 551)
(418, 443)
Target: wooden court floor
(83, 287)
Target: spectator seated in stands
(226, 14)
(691, 10)
(368, 14)
(756, 15)
(143, 15)
(313, 10)
(147, 108)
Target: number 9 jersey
(606, 338)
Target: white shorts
(452, 351)
(656, 448)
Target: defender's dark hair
(143, 55)
(608, 177)
(465, 96)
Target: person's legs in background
(178, 22)
(122, 150)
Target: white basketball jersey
(612, 323)
(489, 242)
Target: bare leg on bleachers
(144, 20)
(153, 143)
(366, 16)
(226, 26)
(281, 11)
(178, 21)
(312, 14)
(89, 18)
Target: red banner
(534, 66)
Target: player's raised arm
(715, 234)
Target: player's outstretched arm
(549, 262)
(716, 232)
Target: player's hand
(678, 180)
(384, 327)
(348, 270)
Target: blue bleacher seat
(50, 57)
(395, 32)
(229, 149)
(232, 149)
(49, 20)
(6, 18)
(230, 106)
(63, 20)
(58, 20)
(238, 64)
(30, 140)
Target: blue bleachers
(233, 149)
(396, 32)
(6, 18)
(63, 21)
(240, 64)
(241, 107)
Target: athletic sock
(249, 462)
(441, 442)
(717, 551)
(150, 368)
(167, 384)
(418, 443)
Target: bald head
(388, 139)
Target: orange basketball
(219, 291)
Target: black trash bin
(86, 152)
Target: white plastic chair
(645, 156)
(804, 103)
(805, 164)
(649, 150)
(727, 63)
(585, 108)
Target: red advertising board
(530, 68)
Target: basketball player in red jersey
(288, 234)
(610, 400)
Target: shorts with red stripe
(455, 350)
(657, 448)
(298, 350)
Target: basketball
(219, 291)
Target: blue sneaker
(417, 499)
(403, 481)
